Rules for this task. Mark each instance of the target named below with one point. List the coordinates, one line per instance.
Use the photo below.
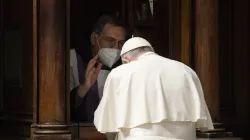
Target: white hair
(135, 53)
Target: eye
(110, 39)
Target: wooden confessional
(210, 36)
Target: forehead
(116, 32)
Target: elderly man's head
(134, 48)
(108, 32)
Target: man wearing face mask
(87, 80)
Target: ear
(93, 38)
(125, 60)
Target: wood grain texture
(186, 32)
(67, 64)
(174, 29)
(51, 120)
(35, 110)
(52, 46)
(90, 133)
(206, 53)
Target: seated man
(150, 97)
(87, 80)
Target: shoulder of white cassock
(151, 90)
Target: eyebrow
(113, 38)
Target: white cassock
(74, 77)
(152, 98)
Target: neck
(139, 55)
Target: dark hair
(108, 19)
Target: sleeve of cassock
(208, 124)
(105, 114)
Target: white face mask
(108, 56)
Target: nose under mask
(109, 56)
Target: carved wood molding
(17, 116)
(50, 129)
(15, 124)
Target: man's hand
(91, 75)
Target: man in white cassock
(150, 97)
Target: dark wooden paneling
(241, 59)
(234, 66)
(207, 52)
(89, 133)
(16, 124)
(168, 28)
(174, 29)
(52, 50)
(53, 71)
(20, 20)
(17, 83)
(161, 17)
(241, 67)
(67, 63)
(1, 55)
(186, 31)
(226, 58)
(35, 58)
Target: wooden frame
(51, 70)
(35, 39)
(1, 56)
(186, 31)
(175, 29)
